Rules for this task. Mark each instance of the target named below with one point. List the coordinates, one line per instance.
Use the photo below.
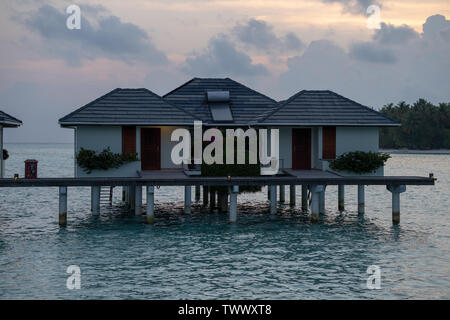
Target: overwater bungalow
(315, 126)
(6, 121)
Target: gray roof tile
(323, 107)
(7, 120)
(245, 103)
(129, 107)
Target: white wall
(99, 137)
(286, 147)
(356, 139)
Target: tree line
(424, 126)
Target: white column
(361, 199)
(150, 217)
(396, 190)
(2, 162)
(233, 203)
(282, 193)
(138, 201)
(304, 197)
(187, 199)
(292, 195)
(273, 199)
(95, 199)
(315, 195)
(62, 206)
(341, 197)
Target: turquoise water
(203, 256)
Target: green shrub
(233, 170)
(89, 160)
(359, 161)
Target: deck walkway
(179, 178)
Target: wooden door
(301, 149)
(151, 148)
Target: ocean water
(203, 256)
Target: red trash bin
(31, 169)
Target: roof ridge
(282, 105)
(170, 104)
(366, 107)
(180, 86)
(257, 92)
(88, 104)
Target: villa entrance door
(301, 148)
(151, 148)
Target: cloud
(436, 27)
(260, 35)
(221, 58)
(111, 38)
(390, 34)
(377, 72)
(355, 6)
(370, 52)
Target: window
(329, 143)
(128, 139)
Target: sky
(277, 47)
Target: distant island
(425, 126)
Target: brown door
(151, 148)
(301, 149)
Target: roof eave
(329, 124)
(75, 124)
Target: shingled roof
(323, 108)
(128, 107)
(245, 103)
(7, 120)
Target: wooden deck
(179, 178)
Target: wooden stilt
(62, 206)
(150, 215)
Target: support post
(223, 201)
(304, 197)
(322, 200)
(2, 162)
(341, 197)
(205, 195)
(132, 197)
(361, 199)
(233, 203)
(396, 190)
(138, 201)
(150, 217)
(124, 193)
(315, 195)
(292, 195)
(187, 199)
(282, 193)
(62, 206)
(197, 193)
(212, 198)
(268, 192)
(273, 199)
(96, 199)
(92, 199)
